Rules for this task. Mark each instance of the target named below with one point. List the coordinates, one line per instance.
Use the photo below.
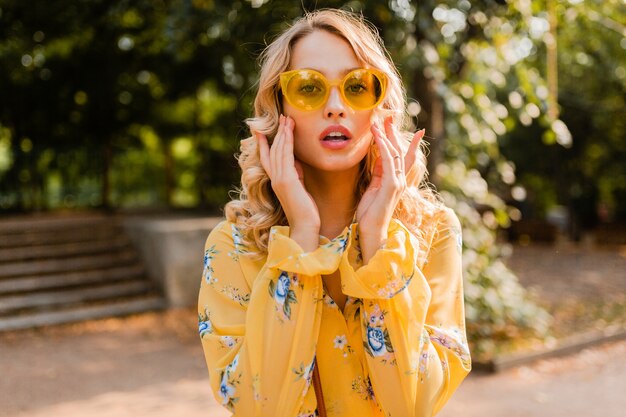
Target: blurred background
(118, 125)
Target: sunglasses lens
(306, 90)
(363, 89)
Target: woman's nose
(335, 107)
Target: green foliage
(78, 80)
(142, 103)
(585, 169)
(477, 60)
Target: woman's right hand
(286, 176)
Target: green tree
(97, 85)
(584, 170)
(126, 98)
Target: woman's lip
(335, 144)
(336, 128)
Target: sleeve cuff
(285, 254)
(388, 272)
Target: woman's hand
(389, 180)
(286, 176)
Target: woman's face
(334, 58)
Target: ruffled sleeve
(412, 319)
(259, 339)
(388, 272)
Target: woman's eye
(308, 88)
(356, 88)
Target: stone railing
(172, 251)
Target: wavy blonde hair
(257, 208)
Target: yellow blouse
(398, 349)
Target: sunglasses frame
(286, 76)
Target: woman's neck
(333, 193)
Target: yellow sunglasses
(306, 89)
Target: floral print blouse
(398, 348)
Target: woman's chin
(333, 166)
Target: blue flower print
(207, 271)
(282, 288)
(204, 324)
(343, 243)
(237, 239)
(376, 341)
(204, 327)
(240, 247)
(227, 391)
(340, 243)
(282, 293)
(227, 384)
(228, 341)
(233, 365)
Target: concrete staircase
(62, 269)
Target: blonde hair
(257, 209)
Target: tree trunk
(431, 117)
(106, 171)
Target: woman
(333, 260)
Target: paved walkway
(588, 384)
(152, 364)
(582, 289)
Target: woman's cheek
(300, 141)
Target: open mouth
(335, 133)
(335, 137)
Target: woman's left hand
(389, 181)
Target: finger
(276, 164)
(413, 151)
(264, 152)
(412, 173)
(392, 136)
(397, 158)
(284, 151)
(288, 146)
(385, 153)
(276, 136)
(377, 174)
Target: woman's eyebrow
(342, 72)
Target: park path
(587, 384)
(152, 364)
(149, 365)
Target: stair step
(46, 318)
(65, 267)
(19, 224)
(63, 250)
(55, 298)
(80, 233)
(50, 266)
(68, 279)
